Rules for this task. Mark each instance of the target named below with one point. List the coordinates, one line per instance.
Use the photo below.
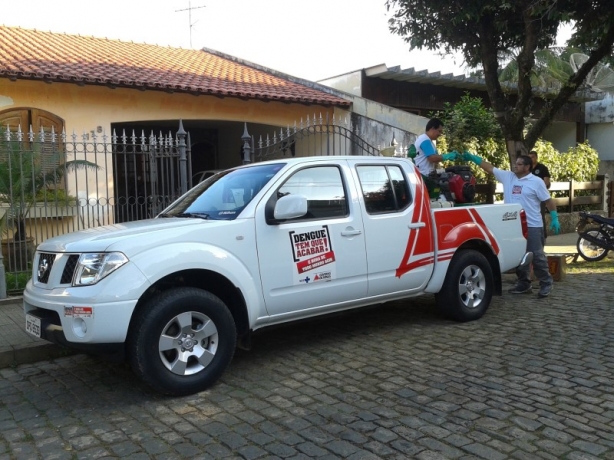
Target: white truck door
(398, 234)
(318, 260)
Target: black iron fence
(51, 184)
(54, 183)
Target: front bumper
(83, 316)
(52, 331)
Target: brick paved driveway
(532, 379)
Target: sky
(313, 39)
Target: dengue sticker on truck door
(314, 258)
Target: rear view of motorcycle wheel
(590, 251)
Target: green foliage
(579, 163)
(552, 68)
(16, 282)
(468, 125)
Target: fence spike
(152, 140)
(281, 134)
(31, 134)
(63, 135)
(41, 135)
(84, 137)
(274, 138)
(260, 142)
(124, 137)
(133, 137)
(295, 125)
(104, 136)
(19, 133)
(267, 140)
(54, 136)
(143, 138)
(74, 136)
(114, 137)
(301, 124)
(288, 131)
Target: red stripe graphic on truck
(454, 227)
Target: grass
(582, 266)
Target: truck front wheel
(181, 341)
(467, 290)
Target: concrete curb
(33, 352)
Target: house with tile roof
(88, 84)
(100, 96)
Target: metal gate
(315, 136)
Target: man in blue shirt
(427, 156)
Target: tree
(484, 30)
(471, 126)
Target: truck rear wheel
(467, 290)
(181, 341)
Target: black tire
(467, 290)
(182, 341)
(590, 251)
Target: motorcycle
(596, 236)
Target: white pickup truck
(260, 245)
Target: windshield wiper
(200, 215)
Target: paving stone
(521, 383)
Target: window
(323, 188)
(384, 188)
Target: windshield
(225, 195)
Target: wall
(562, 135)
(83, 108)
(601, 137)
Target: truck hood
(122, 236)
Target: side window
(323, 188)
(384, 188)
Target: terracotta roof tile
(37, 55)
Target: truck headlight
(92, 267)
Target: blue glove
(555, 227)
(449, 156)
(473, 158)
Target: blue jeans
(535, 244)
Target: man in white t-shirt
(427, 156)
(528, 190)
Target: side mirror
(290, 207)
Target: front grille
(69, 269)
(45, 262)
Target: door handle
(351, 232)
(417, 225)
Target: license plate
(33, 325)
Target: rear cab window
(384, 188)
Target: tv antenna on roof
(189, 10)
